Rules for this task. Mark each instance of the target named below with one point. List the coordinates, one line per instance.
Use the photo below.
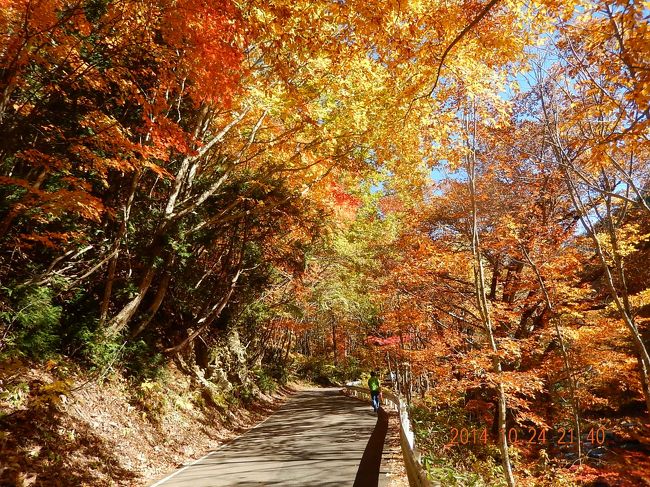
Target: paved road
(317, 439)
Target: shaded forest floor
(57, 431)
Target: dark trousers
(375, 399)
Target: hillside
(202, 201)
(60, 429)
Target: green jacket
(373, 384)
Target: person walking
(375, 390)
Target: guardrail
(416, 474)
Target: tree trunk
(568, 170)
(334, 343)
(573, 383)
(495, 280)
(121, 320)
(208, 318)
(484, 310)
(155, 305)
(112, 266)
(108, 291)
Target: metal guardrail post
(414, 470)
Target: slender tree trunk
(288, 350)
(398, 378)
(573, 383)
(112, 266)
(209, 317)
(108, 290)
(495, 280)
(163, 286)
(568, 169)
(484, 310)
(334, 342)
(624, 311)
(121, 320)
(390, 370)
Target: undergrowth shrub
(265, 381)
(317, 370)
(97, 350)
(142, 362)
(152, 397)
(14, 396)
(137, 360)
(212, 397)
(471, 464)
(34, 323)
(241, 396)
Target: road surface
(320, 438)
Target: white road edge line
(174, 474)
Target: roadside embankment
(59, 428)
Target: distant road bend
(319, 438)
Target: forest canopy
(457, 193)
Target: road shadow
(317, 440)
(368, 473)
(318, 413)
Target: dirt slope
(62, 432)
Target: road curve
(316, 439)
